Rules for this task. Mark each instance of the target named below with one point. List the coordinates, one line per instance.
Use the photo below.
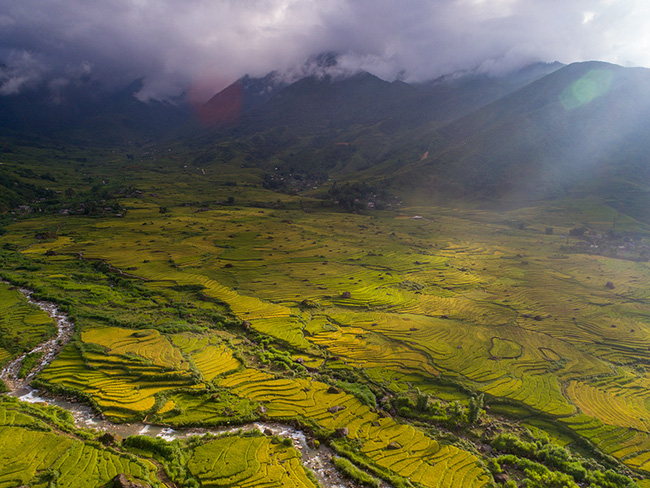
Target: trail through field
(318, 460)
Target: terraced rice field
(457, 297)
(146, 344)
(211, 357)
(34, 454)
(120, 387)
(623, 411)
(79, 464)
(415, 456)
(248, 462)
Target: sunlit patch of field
(610, 406)
(629, 445)
(211, 357)
(421, 459)
(363, 349)
(148, 344)
(522, 372)
(121, 392)
(79, 464)
(249, 462)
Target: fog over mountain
(200, 46)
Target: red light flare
(223, 109)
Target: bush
(510, 443)
(351, 471)
(167, 450)
(29, 362)
(359, 390)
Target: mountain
(225, 108)
(327, 101)
(307, 105)
(89, 113)
(323, 102)
(452, 96)
(582, 127)
(340, 124)
(544, 131)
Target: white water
(318, 460)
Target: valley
(422, 338)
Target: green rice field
(248, 462)
(37, 452)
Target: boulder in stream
(109, 439)
(342, 432)
(336, 408)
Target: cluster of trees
(281, 360)
(357, 197)
(451, 415)
(548, 465)
(170, 454)
(291, 181)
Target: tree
(475, 408)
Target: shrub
(167, 450)
(359, 390)
(475, 408)
(351, 471)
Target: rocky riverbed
(49, 349)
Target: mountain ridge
(541, 132)
(555, 131)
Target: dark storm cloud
(208, 43)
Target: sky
(198, 47)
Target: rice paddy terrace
(385, 334)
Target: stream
(318, 460)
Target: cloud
(21, 70)
(171, 44)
